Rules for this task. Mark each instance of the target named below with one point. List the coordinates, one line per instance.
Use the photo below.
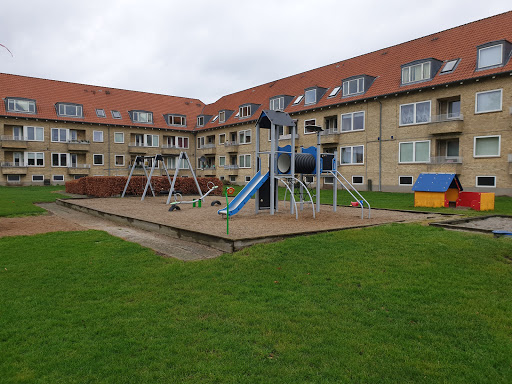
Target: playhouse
(444, 190)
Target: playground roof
(276, 118)
(436, 182)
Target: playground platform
(203, 225)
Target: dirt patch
(32, 225)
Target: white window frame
(243, 133)
(351, 154)
(485, 186)
(116, 114)
(222, 135)
(102, 159)
(449, 66)
(310, 91)
(298, 99)
(362, 180)
(200, 121)
(244, 111)
(94, 133)
(415, 114)
(245, 161)
(25, 159)
(60, 130)
(232, 178)
(490, 110)
(486, 137)
(60, 165)
(54, 177)
(334, 92)
(142, 117)
(352, 122)
(78, 109)
(183, 138)
(152, 140)
(409, 72)
(327, 178)
(11, 105)
(279, 101)
(489, 47)
(414, 152)
(247, 179)
(222, 157)
(100, 113)
(115, 138)
(309, 123)
(222, 116)
(13, 176)
(36, 129)
(115, 161)
(360, 87)
(38, 181)
(182, 120)
(402, 184)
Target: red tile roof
(49, 92)
(385, 64)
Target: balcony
(445, 164)
(207, 148)
(231, 168)
(15, 142)
(171, 149)
(446, 124)
(139, 148)
(78, 145)
(288, 137)
(231, 146)
(330, 135)
(9, 168)
(79, 169)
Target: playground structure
(290, 168)
(444, 190)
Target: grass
(402, 201)
(397, 303)
(19, 201)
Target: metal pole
(318, 171)
(272, 167)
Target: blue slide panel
(245, 194)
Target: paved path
(164, 245)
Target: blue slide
(245, 194)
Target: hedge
(107, 186)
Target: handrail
(361, 196)
(300, 182)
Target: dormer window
(277, 103)
(69, 110)
(334, 92)
(200, 121)
(143, 117)
(298, 99)
(416, 72)
(222, 116)
(245, 111)
(21, 105)
(177, 120)
(450, 66)
(493, 54)
(116, 114)
(353, 86)
(310, 96)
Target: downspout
(108, 131)
(380, 146)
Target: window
(298, 99)
(37, 178)
(119, 160)
(21, 106)
(34, 133)
(222, 138)
(177, 120)
(352, 155)
(331, 124)
(245, 111)
(200, 121)
(247, 179)
(357, 179)
(244, 161)
(34, 159)
(449, 66)
(60, 159)
(100, 113)
(353, 87)
(215, 118)
(405, 180)
(490, 56)
(308, 123)
(488, 101)
(116, 114)
(13, 178)
(244, 137)
(486, 181)
(142, 117)
(58, 177)
(352, 121)
(70, 110)
(414, 152)
(415, 113)
(97, 136)
(222, 161)
(277, 104)
(59, 135)
(200, 142)
(334, 92)
(151, 140)
(182, 142)
(310, 96)
(118, 137)
(222, 117)
(327, 180)
(97, 159)
(416, 72)
(232, 178)
(486, 146)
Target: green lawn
(397, 303)
(19, 201)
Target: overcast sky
(204, 48)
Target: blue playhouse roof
(436, 182)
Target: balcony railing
(229, 143)
(207, 167)
(78, 142)
(330, 131)
(231, 167)
(80, 166)
(12, 138)
(141, 145)
(207, 146)
(446, 160)
(11, 164)
(446, 117)
(288, 136)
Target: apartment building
(440, 103)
